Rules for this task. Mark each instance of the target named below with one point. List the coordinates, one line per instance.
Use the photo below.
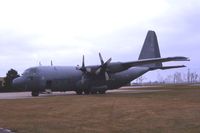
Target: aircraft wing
(154, 60)
(167, 67)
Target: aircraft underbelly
(125, 77)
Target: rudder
(150, 49)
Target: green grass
(176, 110)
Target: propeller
(103, 67)
(84, 70)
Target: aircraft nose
(18, 82)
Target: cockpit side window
(26, 72)
(30, 72)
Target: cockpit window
(30, 71)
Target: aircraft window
(33, 70)
(26, 72)
(30, 71)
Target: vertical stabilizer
(150, 49)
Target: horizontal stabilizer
(154, 60)
(167, 67)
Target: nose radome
(18, 82)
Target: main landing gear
(87, 92)
(35, 93)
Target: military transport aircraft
(97, 78)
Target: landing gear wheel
(87, 91)
(35, 93)
(102, 91)
(79, 92)
(93, 92)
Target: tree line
(178, 77)
(6, 86)
(188, 77)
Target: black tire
(79, 92)
(102, 91)
(93, 92)
(35, 93)
(87, 91)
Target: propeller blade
(103, 67)
(108, 61)
(82, 79)
(101, 59)
(83, 62)
(98, 71)
(107, 77)
(83, 68)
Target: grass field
(174, 111)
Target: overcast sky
(33, 31)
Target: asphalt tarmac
(25, 95)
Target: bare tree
(198, 78)
(194, 77)
(169, 79)
(178, 77)
(160, 78)
(140, 79)
(188, 76)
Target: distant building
(2, 81)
